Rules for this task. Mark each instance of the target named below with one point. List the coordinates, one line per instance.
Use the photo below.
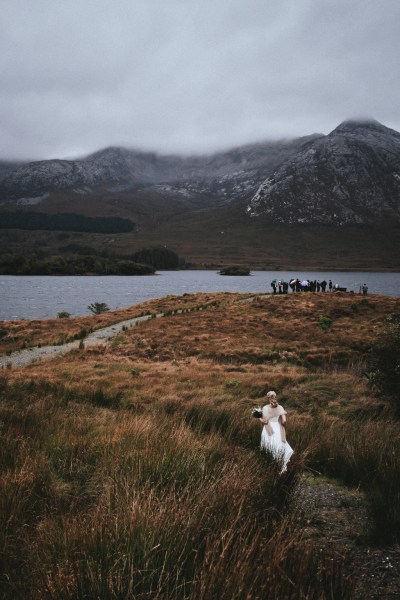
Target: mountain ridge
(349, 176)
(115, 166)
(321, 200)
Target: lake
(33, 297)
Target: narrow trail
(336, 519)
(23, 358)
(28, 356)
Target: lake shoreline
(30, 297)
(209, 269)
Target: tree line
(159, 257)
(17, 264)
(142, 262)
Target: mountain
(351, 176)
(8, 166)
(321, 202)
(221, 176)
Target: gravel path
(23, 358)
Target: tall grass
(100, 503)
(360, 454)
(134, 471)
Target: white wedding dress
(281, 450)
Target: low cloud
(190, 76)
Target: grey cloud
(190, 75)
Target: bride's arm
(264, 419)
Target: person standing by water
(273, 435)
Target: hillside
(132, 467)
(322, 201)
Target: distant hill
(318, 201)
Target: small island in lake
(234, 271)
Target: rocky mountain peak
(351, 176)
(364, 129)
(352, 125)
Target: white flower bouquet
(257, 412)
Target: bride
(273, 436)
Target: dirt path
(23, 358)
(336, 519)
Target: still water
(32, 297)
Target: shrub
(325, 323)
(63, 315)
(98, 308)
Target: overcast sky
(190, 76)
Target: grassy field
(133, 470)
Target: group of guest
(307, 285)
(298, 285)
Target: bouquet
(257, 412)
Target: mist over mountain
(350, 176)
(221, 175)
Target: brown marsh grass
(133, 470)
(98, 504)
(27, 333)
